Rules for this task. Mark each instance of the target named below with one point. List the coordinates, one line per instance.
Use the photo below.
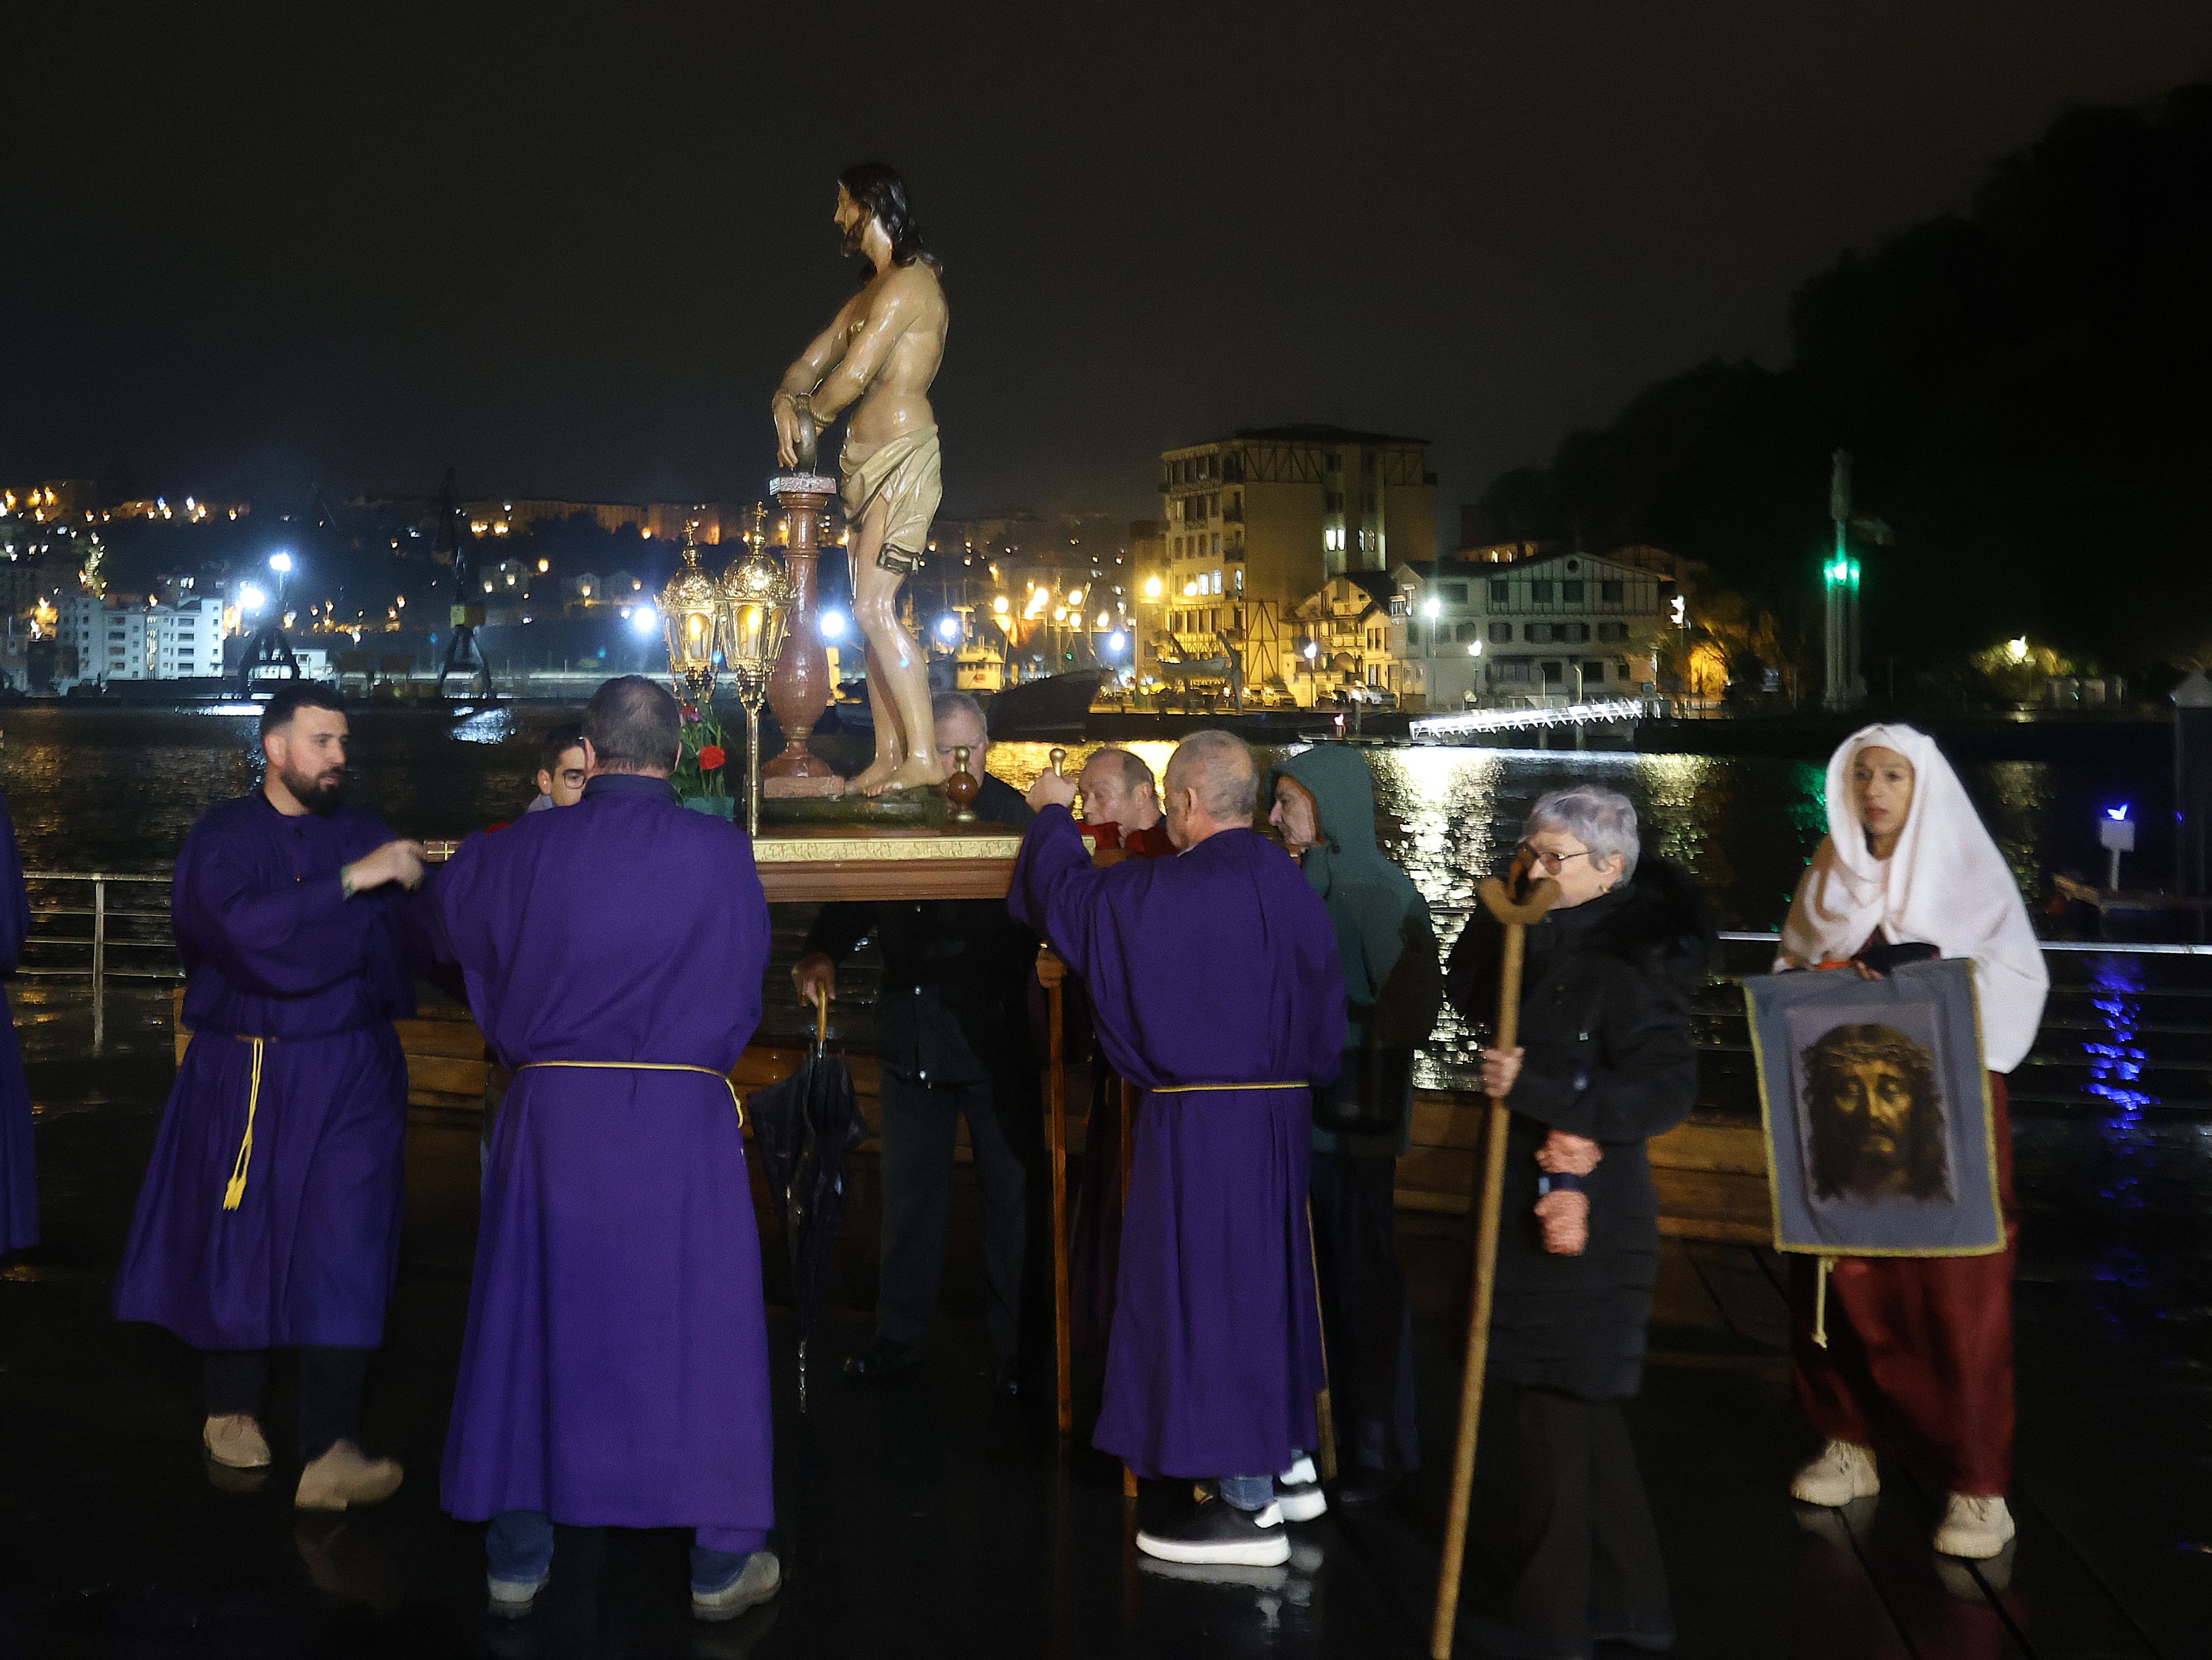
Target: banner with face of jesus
(1878, 1130)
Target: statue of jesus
(878, 358)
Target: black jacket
(1605, 1018)
(954, 1007)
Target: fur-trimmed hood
(1659, 922)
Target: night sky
(572, 261)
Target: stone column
(799, 690)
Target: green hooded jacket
(1393, 981)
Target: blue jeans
(520, 1546)
(1253, 1492)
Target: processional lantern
(690, 616)
(757, 602)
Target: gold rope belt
(646, 1066)
(1209, 1089)
(236, 1190)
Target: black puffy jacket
(1605, 1018)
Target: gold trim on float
(880, 849)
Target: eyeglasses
(1550, 862)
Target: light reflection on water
(117, 790)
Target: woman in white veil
(1917, 1366)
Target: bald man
(1216, 987)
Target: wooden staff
(1516, 919)
(1053, 973)
(1128, 1156)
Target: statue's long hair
(879, 192)
(1826, 1071)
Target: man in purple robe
(1216, 987)
(269, 1218)
(615, 1371)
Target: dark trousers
(1573, 1528)
(1365, 1314)
(920, 1125)
(331, 1381)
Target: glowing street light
(280, 562)
(1151, 587)
(832, 624)
(948, 628)
(251, 598)
(645, 621)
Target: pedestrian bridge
(1600, 713)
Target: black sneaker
(882, 1361)
(1214, 1530)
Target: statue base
(920, 809)
(789, 788)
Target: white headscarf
(1947, 885)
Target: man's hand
(1052, 789)
(814, 973)
(1500, 1068)
(395, 861)
(1565, 1219)
(1563, 1154)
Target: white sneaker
(1843, 1472)
(1977, 1528)
(1298, 1491)
(343, 1476)
(512, 1599)
(760, 1578)
(234, 1441)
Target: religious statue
(878, 358)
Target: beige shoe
(1976, 1529)
(342, 1477)
(1843, 1472)
(760, 1578)
(234, 1441)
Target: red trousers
(1918, 1365)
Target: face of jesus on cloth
(1877, 1123)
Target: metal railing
(106, 927)
(2125, 1031)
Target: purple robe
(19, 1174)
(615, 1370)
(272, 949)
(1217, 966)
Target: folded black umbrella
(804, 1127)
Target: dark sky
(572, 260)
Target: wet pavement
(931, 1519)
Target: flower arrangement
(702, 774)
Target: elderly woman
(1605, 1063)
(1917, 1361)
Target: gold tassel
(236, 1190)
(1821, 1301)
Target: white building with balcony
(1562, 627)
(187, 638)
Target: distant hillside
(2027, 391)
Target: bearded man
(269, 1218)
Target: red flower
(711, 757)
(690, 713)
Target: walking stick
(1128, 1140)
(1054, 974)
(1516, 919)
